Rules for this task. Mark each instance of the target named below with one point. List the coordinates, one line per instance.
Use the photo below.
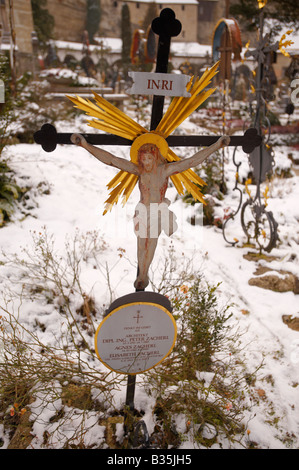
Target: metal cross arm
(48, 138)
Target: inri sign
(166, 84)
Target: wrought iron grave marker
(165, 26)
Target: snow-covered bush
(200, 388)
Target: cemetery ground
(232, 379)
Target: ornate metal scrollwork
(236, 188)
(258, 223)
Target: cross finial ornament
(166, 25)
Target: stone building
(209, 13)
(186, 11)
(198, 17)
(69, 17)
(20, 21)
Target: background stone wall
(23, 25)
(70, 19)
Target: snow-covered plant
(48, 365)
(203, 383)
(51, 379)
(9, 191)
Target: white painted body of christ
(153, 173)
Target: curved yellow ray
(125, 186)
(177, 184)
(106, 112)
(117, 179)
(171, 157)
(117, 113)
(129, 188)
(111, 129)
(181, 107)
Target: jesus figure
(153, 171)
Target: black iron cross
(165, 26)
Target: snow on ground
(76, 184)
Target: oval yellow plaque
(135, 337)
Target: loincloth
(150, 220)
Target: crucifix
(152, 160)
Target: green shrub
(54, 377)
(9, 191)
(202, 380)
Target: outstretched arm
(104, 156)
(199, 157)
